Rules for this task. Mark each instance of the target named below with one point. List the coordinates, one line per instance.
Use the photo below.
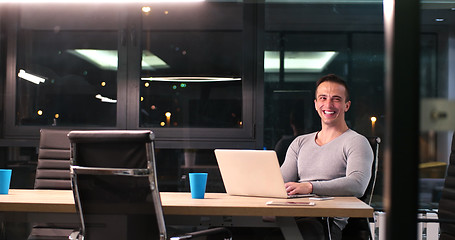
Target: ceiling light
(108, 59)
(30, 77)
(190, 79)
(105, 99)
(312, 62)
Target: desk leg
(289, 228)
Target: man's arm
(358, 171)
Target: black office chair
(53, 172)
(53, 169)
(359, 228)
(114, 183)
(446, 211)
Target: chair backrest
(447, 202)
(53, 169)
(368, 195)
(358, 228)
(113, 173)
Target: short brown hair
(335, 79)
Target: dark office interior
(211, 74)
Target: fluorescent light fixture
(30, 77)
(190, 79)
(108, 59)
(105, 99)
(151, 62)
(104, 59)
(312, 62)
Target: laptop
(252, 173)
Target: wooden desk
(222, 204)
(45, 201)
(215, 209)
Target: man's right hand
(293, 188)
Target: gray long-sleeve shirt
(341, 167)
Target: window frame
(128, 91)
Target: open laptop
(252, 173)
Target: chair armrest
(138, 172)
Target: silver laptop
(252, 173)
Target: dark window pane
(194, 76)
(75, 90)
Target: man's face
(330, 102)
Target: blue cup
(5, 179)
(198, 181)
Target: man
(335, 161)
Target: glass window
(292, 62)
(65, 66)
(199, 81)
(304, 42)
(436, 92)
(349, 40)
(62, 79)
(192, 69)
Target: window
(62, 68)
(61, 82)
(91, 66)
(199, 81)
(196, 75)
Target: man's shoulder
(355, 140)
(353, 137)
(307, 136)
(353, 134)
(304, 138)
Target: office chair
(446, 209)
(53, 169)
(114, 182)
(359, 228)
(53, 172)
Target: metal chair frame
(139, 172)
(149, 172)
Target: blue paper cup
(198, 181)
(5, 179)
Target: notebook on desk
(252, 173)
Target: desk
(179, 207)
(222, 204)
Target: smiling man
(335, 161)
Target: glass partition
(347, 39)
(213, 74)
(305, 41)
(436, 94)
